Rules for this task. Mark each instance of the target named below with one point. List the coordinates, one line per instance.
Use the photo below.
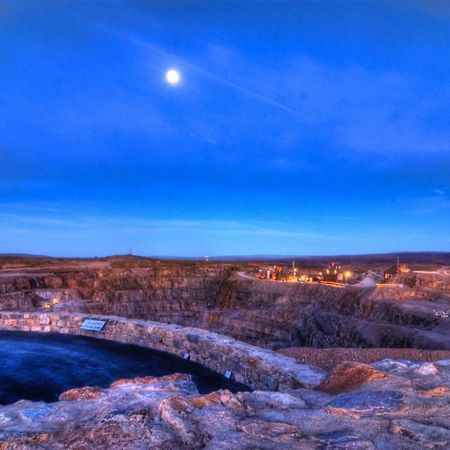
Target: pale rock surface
(395, 405)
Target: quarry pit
(272, 338)
(216, 297)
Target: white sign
(93, 325)
(228, 374)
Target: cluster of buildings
(395, 269)
(333, 273)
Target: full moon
(173, 76)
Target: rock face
(394, 411)
(264, 313)
(270, 314)
(349, 375)
(424, 280)
(158, 290)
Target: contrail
(149, 46)
(213, 76)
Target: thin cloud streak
(201, 70)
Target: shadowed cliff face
(216, 297)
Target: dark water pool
(39, 367)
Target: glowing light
(173, 76)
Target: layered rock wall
(265, 313)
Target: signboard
(228, 374)
(93, 325)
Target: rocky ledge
(387, 405)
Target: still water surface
(40, 366)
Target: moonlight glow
(173, 76)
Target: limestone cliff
(217, 297)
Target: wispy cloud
(437, 204)
(189, 64)
(288, 118)
(435, 8)
(86, 222)
(27, 184)
(385, 113)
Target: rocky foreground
(387, 405)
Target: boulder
(84, 393)
(349, 375)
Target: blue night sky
(299, 127)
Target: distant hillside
(424, 260)
(439, 258)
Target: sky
(298, 127)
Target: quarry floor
(328, 358)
